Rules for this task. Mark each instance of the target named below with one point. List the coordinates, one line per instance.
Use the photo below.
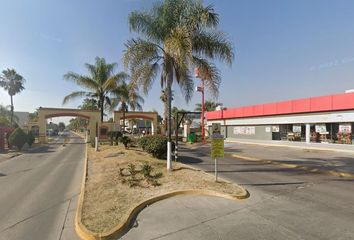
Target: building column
(308, 133)
(152, 128)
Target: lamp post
(201, 89)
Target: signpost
(217, 146)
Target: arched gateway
(94, 116)
(44, 113)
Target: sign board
(297, 128)
(321, 128)
(216, 128)
(217, 147)
(244, 130)
(345, 128)
(275, 128)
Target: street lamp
(201, 89)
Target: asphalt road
(39, 192)
(284, 203)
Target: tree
(33, 117)
(5, 116)
(126, 96)
(176, 36)
(208, 106)
(100, 81)
(13, 83)
(163, 98)
(89, 104)
(61, 126)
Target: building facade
(325, 119)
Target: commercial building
(326, 119)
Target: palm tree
(98, 84)
(177, 35)
(208, 106)
(163, 98)
(12, 82)
(126, 96)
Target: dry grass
(109, 197)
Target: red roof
(343, 101)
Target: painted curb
(297, 166)
(125, 225)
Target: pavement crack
(66, 215)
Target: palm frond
(213, 45)
(81, 80)
(75, 95)
(210, 74)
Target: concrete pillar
(152, 128)
(186, 130)
(42, 124)
(308, 133)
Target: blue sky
(283, 49)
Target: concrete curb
(124, 226)
(297, 166)
(291, 146)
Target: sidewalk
(300, 145)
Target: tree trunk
(124, 109)
(101, 106)
(12, 112)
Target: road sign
(217, 147)
(216, 128)
(217, 150)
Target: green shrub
(156, 146)
(111, 136)
(142, 142)
(18, 138)
(118, 135)
(125, 140)
(147, 169)
(30, 138)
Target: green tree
(126, 96)
(61, 126)
(13, 83)
(176, 37)
(33, 117)
(5, 116)
(98, 84)
(89, 104)
(208, 106)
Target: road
(39, 192)
(284, 203)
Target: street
(39, 192)
(284, 203)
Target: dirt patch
(113, 188)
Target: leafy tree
(208, 106)
(18, 138)
(98, 84)
(126, 96)
(89, 104)
(33, 116)
(13, 83)
(176, 36)
(61, 126)
(5, 116)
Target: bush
(125, 140)
(156, 146)
(142, 142)
(18, 138)
(118, 135)
(111, 136)
(30, 138)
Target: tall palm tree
(163, 98)
(13, 83)
(176, 36)
(98, 83)
(208, 106)
(126, 96)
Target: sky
(283, 49)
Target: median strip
(119, 183)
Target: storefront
(326, 119)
